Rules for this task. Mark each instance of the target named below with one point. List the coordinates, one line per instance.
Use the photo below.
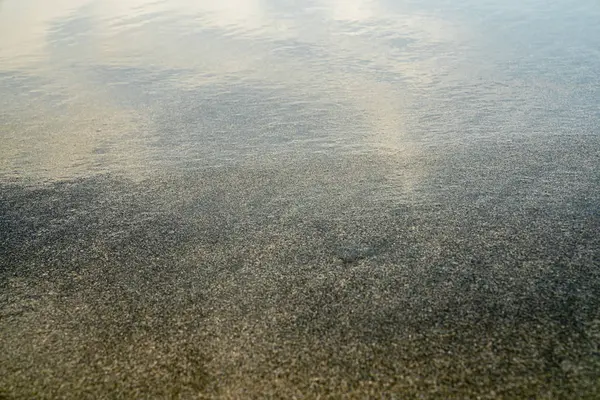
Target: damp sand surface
(327, 199)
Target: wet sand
(245, 199)
(254, 282)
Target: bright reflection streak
(352, 54)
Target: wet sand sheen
(324, 199)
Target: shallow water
(281, 198)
